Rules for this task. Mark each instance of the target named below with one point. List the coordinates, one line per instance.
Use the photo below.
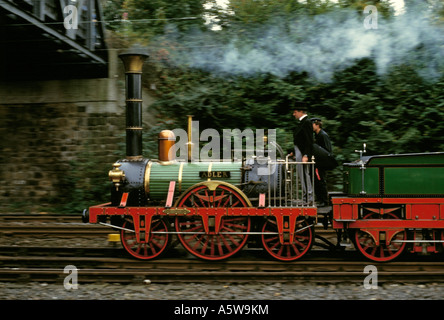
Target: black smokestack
(133, 62)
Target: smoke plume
(319, 45)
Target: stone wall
(58, 141)
(42, 143)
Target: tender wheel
(303, 240)
(156, 244)
(382, 253)
(232, 236)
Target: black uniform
(303, 137)
(322, 140)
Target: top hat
(300, 105)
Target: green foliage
(161, 11)
(86, 182)
(113, 13)
(250, 12)
(140, 21)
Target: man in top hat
(303, 147)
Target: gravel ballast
(198, 291)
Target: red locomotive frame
(213, 227)
(285, 217)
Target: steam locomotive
(216, 208)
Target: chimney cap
(135, 51)
(133, 59)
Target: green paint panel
(354, 178)
(414, 180)
(161, 175)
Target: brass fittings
(116, 175)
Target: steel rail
(94, 267)
(92, 275)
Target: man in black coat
(303, 146)
(324, 159)
(321, 137)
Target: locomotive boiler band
(215, 207)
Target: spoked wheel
(383, 252)
(232, 234)
(303, 239)
(154, 247)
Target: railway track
(63, 230)
(48, 224)
(111, 264)
(39, 218)
(94, 266)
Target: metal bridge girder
(51, 34)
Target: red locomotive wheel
(233, 231)
(153, 248)
(382, 253)
(303, 239)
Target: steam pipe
(133, 62)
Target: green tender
(397, 175)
